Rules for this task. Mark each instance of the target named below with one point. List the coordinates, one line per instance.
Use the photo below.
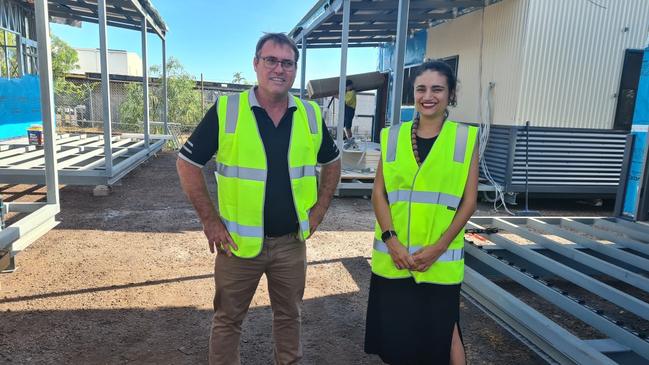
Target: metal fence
(81, 110)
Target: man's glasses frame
(270, 62)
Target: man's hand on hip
(218, 237)
(316, 215)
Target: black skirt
(409, 323)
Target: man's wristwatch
(385, 236)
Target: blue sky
(218, 38)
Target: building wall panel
(490, 47)
(573, 58)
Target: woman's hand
(400, 255)
(426, 256)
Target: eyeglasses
(270, 62)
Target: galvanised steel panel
(573, 58)
(560, 160)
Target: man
(267, 144)
(350, 107)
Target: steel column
(105, 86)
(164, 87)
(399, 55)
(19, 53)
(303, 70)
(343, 75)
(47, 100)
(145, 84)
(7, 56)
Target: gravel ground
(128, 279)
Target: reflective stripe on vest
(461, 137)
(241, 168)
(298, 172)
(310, 112)
(241, 172)
(447, 256)
(241, 230)
(305, 226)
(233, 114)
(423, 199)
(393, 137)
(426, 197)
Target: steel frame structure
(369, 23)
(80, 159)
(130, 14)
(587, 249)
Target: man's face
(277, 79)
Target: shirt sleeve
(328, 152)
(204, 141)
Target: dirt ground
(128, 279)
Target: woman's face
(431, 94)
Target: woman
(425, 191)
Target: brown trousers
(283, 260)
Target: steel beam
(609, 236)
(165, 111)
(399, 56)
(548, 339)
(303, 68)
(145, 83)
(600, 265)
(105, 85)
(47, 100)
(586, 315)
(639, 226)
(608, 250)
(607, 292)
(147, 18)
(343, 75)
(636, 233)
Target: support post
(47, 99)
(19, 53)
(202, 95)
(399, 55)
(145, 84)
(105, 87)
(343, 75)
(164, 86)
(6, 60)
(303, 69)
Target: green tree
(237, 78)
(64, 60)
(183, 100)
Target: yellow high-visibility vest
(241, 168)
(424, 199)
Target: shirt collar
(252, 99)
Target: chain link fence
(81, 110)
